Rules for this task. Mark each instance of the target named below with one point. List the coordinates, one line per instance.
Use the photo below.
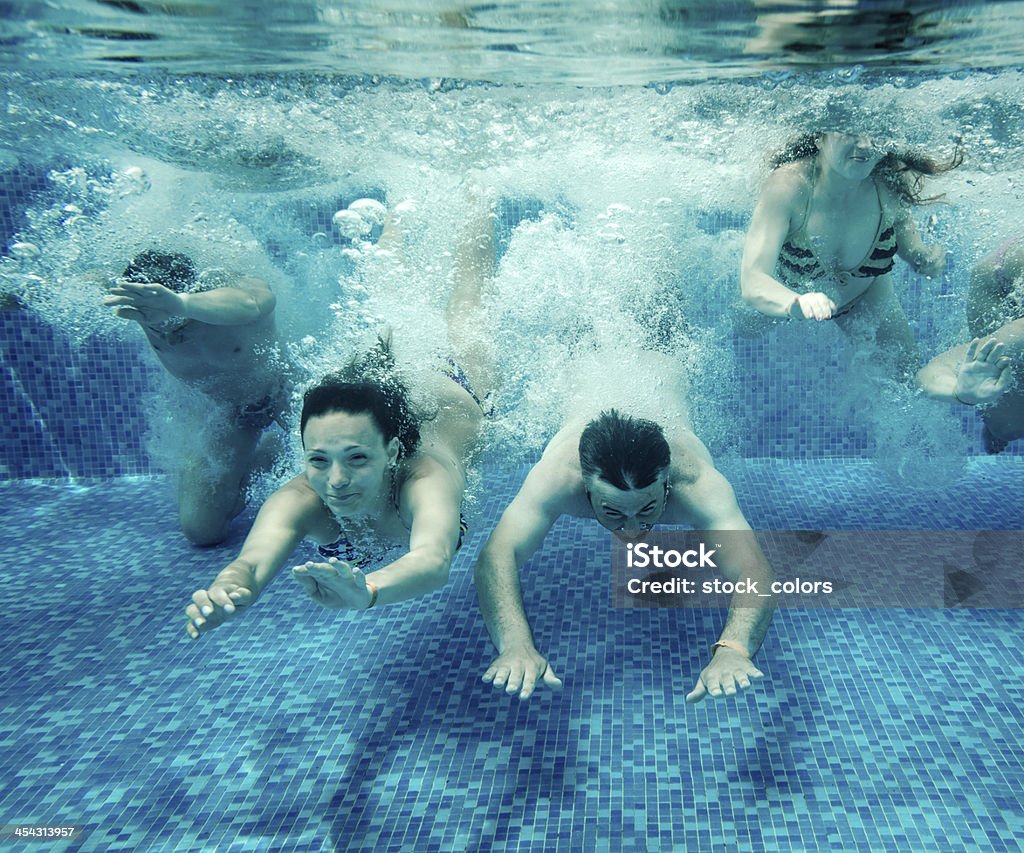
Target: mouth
(341, 499)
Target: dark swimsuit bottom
(453, 370)
(801, 268)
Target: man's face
(628, 513)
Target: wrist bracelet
(792, 305)
(729, 644)
(373, 594)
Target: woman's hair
(902, 171)
(629, 453)
(368, 385)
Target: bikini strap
(810, 197)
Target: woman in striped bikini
(833, 214)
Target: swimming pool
(626, 147)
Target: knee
(204, 533)
(203, 526)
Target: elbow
(441, 574)
(750, 292)
(437, 571)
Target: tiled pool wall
(75, 409)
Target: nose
(631, 526)
(339, 477)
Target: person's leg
(475, 265)
(211, 489)
(878, 322)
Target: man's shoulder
(552, 482)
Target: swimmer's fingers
(497, 673)
(334, 584)
(213, 607)
(230, 596)
(698, 694)
(992, 351)
(145, 294)
(551, 681)
(126, 313)
(521, 672)
(308, 584)
(534, 677)
(1005, 376)
(728, 673)
(987, 350)
(826, 309)
(816, 306)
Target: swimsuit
(801, 268)
(453, 370)
(258, 416)
(343, 549)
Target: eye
(316, 461)
(358, 459)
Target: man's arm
(520, 532)
(712, 505)
(247, 301)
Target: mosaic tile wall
(78, 410)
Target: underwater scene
(653, 371)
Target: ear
(392, 450)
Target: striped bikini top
(799, 264)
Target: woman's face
(347, 463)
(851, 156)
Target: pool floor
(301, 729)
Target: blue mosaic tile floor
(298, 729)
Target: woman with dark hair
(379, 474)
(832, 216)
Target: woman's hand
(335, 584)
(232, 589)
(812, 306)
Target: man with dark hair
(629, 475)
(214, 332)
